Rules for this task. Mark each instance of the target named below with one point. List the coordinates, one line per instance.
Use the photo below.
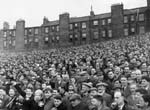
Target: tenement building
(71, 31)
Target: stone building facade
(73, 31)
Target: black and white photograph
(75, 55)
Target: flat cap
(93, 89)
(101, 84)
(87, 84)
(75, 97)
(117, 87)
(83, 73)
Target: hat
(93, 89)
(117, 87)
(75, 97)
(101, 84)
(146, 78)
(83, 73)
(58, 97)
(47, 89)
(87, 84)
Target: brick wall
(117, 20)
(20, 25)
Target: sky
(33, 11)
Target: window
(5, 44)
(96, 35)
(110, 33)
(14, 33)
(141, 17)
(76, 36)
(141, 30)
(132, 18)
(25, 33)
(57, 38)
(103, 22)
(103, 33)
(53, 39)
(83, 35)
(10, 42)
(30, 40)
(46, 29)
(57, 28)
(13, 43)
(30, 31)
(76, 25)
(46, 38)
(126, 32)
(25, 41)
(71, 36)
(36, 31)
(53, 28)
(109, 20)
(5, 34)
(36, 40)
(95, 23)
(125, 19)
(132, 29)
(10, 32)
(83, 25)
(71, 26)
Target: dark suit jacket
(132, 102)
(107, 99)
(126, 91)
(103, 108)
(125, 107)
(80, 106)
(62, 106)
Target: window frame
(84, 25)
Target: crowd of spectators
(110, 75)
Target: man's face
(101, 89)
(57, 102)
(133, 88)
(37, 97)
(95, 102)
(47, 94)
(117, 83)
(93, 93)
(11, 92)
(144, 66)
(58, 78)
(28, 93)
(133, 75)
(126, 69)
(55, 92)
(110, 75)
(123, 81)
(84, 88)
(139, 75)
(43, 86)
(118, 98)
(70, 92)
(74, 102)
(117, 70)
(144, 82)
(61, 90)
